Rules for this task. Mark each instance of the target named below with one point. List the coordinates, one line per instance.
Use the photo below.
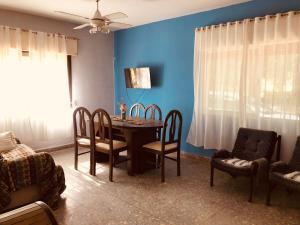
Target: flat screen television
(138, 78)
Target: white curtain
(247, 74)
(34, 96)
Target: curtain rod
(35, 32)
(251, 20)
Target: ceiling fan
(99, 23)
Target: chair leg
(211, 175)
(251, 188)
(157, 161)
(268, 202)
(111, 164)
(162, 167)
(92, 163)
(178, 163)
(76, 157)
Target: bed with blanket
(27, 176)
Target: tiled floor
(181, 200)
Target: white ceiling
(139, 11)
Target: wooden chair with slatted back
(81, 116)
(153, 112)
(150, 113)
(136, 110)
(170, 143)
(102, 141)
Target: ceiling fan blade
(70, 14)
(115, 16)
(119, 25)
(82, 26)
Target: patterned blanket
(22, 167)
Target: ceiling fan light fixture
(95, 30)
(99, 23)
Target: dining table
(137, 132)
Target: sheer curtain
(247, 74)
(34, 97)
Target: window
(34, 93)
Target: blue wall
(168, 48)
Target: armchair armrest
(261, 161)
(223, 153)
(260, 164)
(278, 167)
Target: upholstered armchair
(252, 149)
(286, 174)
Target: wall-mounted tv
(138, 78)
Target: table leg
(131, 154)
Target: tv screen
(138, 78)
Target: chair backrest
(172, 128)
(253, 144)
(81, 118)
(295, 161)
(101, 128)
(152, 109)
(136, 110)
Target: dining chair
(136, 110)
(102, 140)
(152, 109)
(81, 132)
(150, 113)
(170, 143)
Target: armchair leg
(268, 202)
(211, 176)
(111, 164)
(157, 161)
(162, 167)
(251, 188)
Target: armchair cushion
(222, 164)
(254, 144)
(295, 176)
(237, 162)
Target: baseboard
(193, 156)
(53, 149)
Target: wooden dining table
(137, 132)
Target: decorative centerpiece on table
(123, 109)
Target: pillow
(7, 141)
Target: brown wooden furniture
(102, 141)
(170, 143)
(152, 109)
(136, 110)
(252, 149)
(286, 174)
(150, 113)
(81, 116)
(37, 213)
(137, 132)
